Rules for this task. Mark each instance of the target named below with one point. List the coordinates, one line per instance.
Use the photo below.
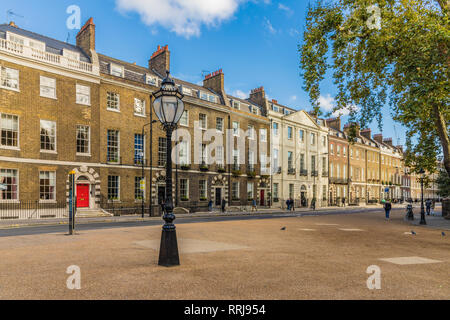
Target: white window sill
(9, 201)
(48, 201)
(49, 151)
(112, 110)
(10, 148)
(53, 98)
(140, 115)
(184, 125)
(8, 88)
(83, 155)
(84, 104)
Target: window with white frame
(113, 146)
(250, 190)
(289, 133)
(139, 149)
(48, 87)
(9, 126)
(204, 155)
(290, 158)
(275, 128)
(313, 138)
(236, 159)
(301, 135)
(275, 159)
(112, 101)
(203, 121)
(236, 104)
(47, 185)
(9, 78)
(251, 132)
(202, 190)
(116, 70)
(275, 108)
(235, 190)
(235, 128)
(291, 190)
(83, 94)
(332, 148)
(184, 120)
(276, 191)
(183, 153)
(139, 107)
(219, 156)
(162, 151)
(48, 135)
(263, 135)
(83, 140)
(219, 124)
(184, 189)
(9, 179)
(324, 141)
(186, 91)
(149, 79)
(212, 98)
(203, 95)
(71, 54)
(114, 188)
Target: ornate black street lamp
(422, 207)
(169, 108)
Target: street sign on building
(142, 185)
(386, 190)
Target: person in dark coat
(387, 209)
(428, 205)
(224, 203)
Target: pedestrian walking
(428, 205)
(387, 208)
(224, 203)
(253, 205)
(292, 205)
(210, 204)
(313, 204)
(343, 202)
(288, 204)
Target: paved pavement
(325, 256)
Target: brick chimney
(12, 24)
(160, 61)
(367, 133)
(86, 37)
(334, 123)
(258, 96)
(216, 82)
(388, 141)
(378, 138)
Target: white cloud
(185, 18)
(293, 98)
(286, 9)
(269, 26)
(240, 94)
(293, 32)
(327, 104)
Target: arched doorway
(87, 188)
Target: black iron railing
(32, 209)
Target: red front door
(262, 198)
(83, 196)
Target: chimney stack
(388, 141)
(86, 37)
(12, 24)
(334, 123)
(367, 133)
(160, 61)
(378, 138)
(216, 82)
(258, 96)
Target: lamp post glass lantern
(422, 207)
(169, 108)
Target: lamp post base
(168, 252)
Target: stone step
(92, 214)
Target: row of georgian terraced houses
(68, 108)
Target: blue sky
(255, 42)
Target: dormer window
(287, 112)
(152, 80)
(203, 95)
(23, 41)
(212, 98)
(275, 108)
(116, 70)
(71, 55)
(186, 91)
(236, 104)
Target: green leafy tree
(381, 52)
(443, 182)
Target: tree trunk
(441, 128)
